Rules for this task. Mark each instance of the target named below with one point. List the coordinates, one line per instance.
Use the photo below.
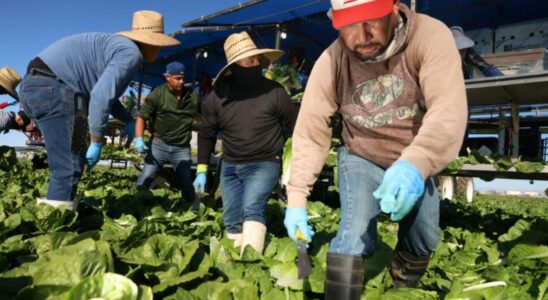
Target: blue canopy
(308, 30)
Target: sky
(29, 26)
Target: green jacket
(168, 119)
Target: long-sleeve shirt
(7, 120)
(170, 119)
(253, 125)
(97, 65)
(410, 105)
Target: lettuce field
(124, 243)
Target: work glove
(93, 154)
(297, 218)
(492, 71)
(201, 178)
(401, 187)
(140, 146)
(129, 130)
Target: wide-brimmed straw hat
(148, 28)
(239, 46)
(9, 79)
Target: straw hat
(148, 28)
(9, 79)
(461, 39)
(240, 45)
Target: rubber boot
(253, 234)
(236, 237)
(407, 269)
(344, 277)
(70, 205)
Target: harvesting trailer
(508, 33)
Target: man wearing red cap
(395, 77)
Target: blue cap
(175, 68)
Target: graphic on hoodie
(377, 100)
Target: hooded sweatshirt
(409, 104)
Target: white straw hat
(148, 28)
(461, 39)
(240, 45)
(9, 79)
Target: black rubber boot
(344, 277)
(406, 269)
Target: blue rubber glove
(401, 187)
(297, 218)
(140, 146)
(129, 130)
(200, 182)
(93, 154)
(492, 71)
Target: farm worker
(14, 120)
(470, 58)
(254, 115)
(170, 110)
(9, 79)
(395, 77)
(89, 70)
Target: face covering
(246, 77)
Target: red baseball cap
(347, 12)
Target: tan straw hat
(240, 45)
(9, 79)
(148, 28)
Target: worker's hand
(297, 218)
(140, 146)
(93, 154)
(200, 182)
(129, 130)
(492, 71)
(401, 187)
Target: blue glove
(297, 218)
(401, 187)
(129, 130)
(492, 71)
(140, 146)
(200, 182)
(93, 154)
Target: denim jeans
(161, 153)
(50, 103)
(358, 178)
(246, 188)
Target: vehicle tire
(465, 188)
(445, 186)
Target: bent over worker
(170, 111)
(254, 115)
(88, 70)
(395, 77)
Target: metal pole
(278, 37)
(414, 5)
(196, 56)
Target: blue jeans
(161, 153)
(50, 103)
(358, 178)
(246, 188)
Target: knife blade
(303, 260)
(196, 203)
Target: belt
(44, 73)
